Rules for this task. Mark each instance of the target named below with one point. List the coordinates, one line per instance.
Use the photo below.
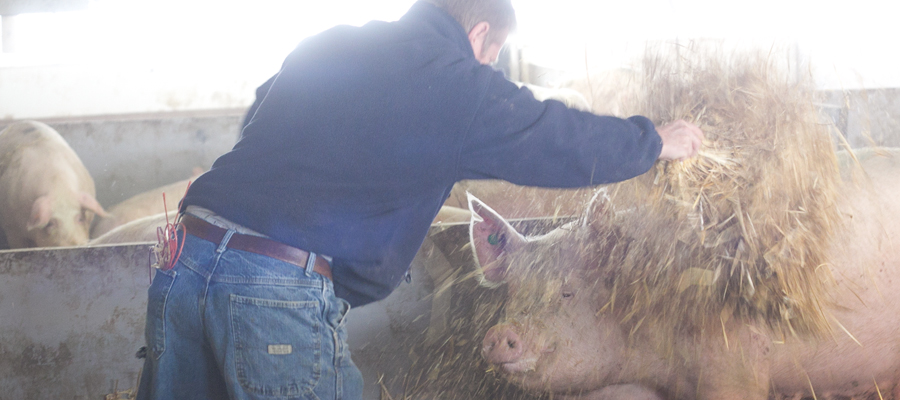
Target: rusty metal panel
(71, 321)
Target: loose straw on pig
(743, 229)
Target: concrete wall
(110, 85)
(866, 117)
(72, 319)
(129, 154)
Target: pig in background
(47, 196)
(570, 97)
(562, 336)
(140, 230)
(601, 92)
(606, 91)
(148, 203)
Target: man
(326, 198)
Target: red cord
(168, 239)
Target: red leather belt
(254, 244)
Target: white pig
(142, 205)
(563, 341)
(570, 97)
(140, 230)
(46, 193)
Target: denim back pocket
(157, 296)
(277, 345)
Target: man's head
(488, 23)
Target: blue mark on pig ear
(494, 239)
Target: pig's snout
(502, 345)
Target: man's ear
(478, 38)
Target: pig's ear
(597, 207)
(41, 211)
(491, 238)
(89, 202)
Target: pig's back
(31, 147)
(142, 205)
(865, 261)
(140, 230)
(29, 134)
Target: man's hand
(681, 140)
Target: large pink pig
(46, 194)
(563, 340)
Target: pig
(562, 340)
(609, 92)
(47, 196)
(137, 231)
(142, 205)
(570, 97)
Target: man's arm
(519, 139)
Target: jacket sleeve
(519, 139)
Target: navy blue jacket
(365, 130)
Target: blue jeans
(226, 323)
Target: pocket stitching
(294, 387)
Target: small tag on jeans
(280, 349)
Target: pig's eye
(567, 295)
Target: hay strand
(744, 225)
